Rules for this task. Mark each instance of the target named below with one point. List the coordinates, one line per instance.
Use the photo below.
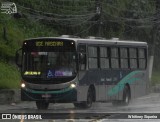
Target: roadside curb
(8, 96)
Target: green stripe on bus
(127, 79)
(49, 92)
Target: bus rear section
(48, 70)
(113, 71)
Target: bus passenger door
(82, 73)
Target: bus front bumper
(66, 95)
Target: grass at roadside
(12, 32)
(155, 77)
(9, 76)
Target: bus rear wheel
(42, 105)
(126, 96)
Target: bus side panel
(135, 80)
(87, 78)
(105, 78)
(101, 93)
(113, 87)
(82, 88)
(109, 97)
(120, 93)
(141, 84)
(97, 92)
(82, 93)
(137, 84)
(116, 96)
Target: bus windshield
(49, 64)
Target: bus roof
(113, 41)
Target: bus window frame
(98, 55)
(118, 57)
(107, 57)
(127, 58)
(145, 57)
(136, 58)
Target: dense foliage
(108, 18)
(126, 19)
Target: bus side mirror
(18, 57)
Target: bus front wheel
(88, 103)
(42, 105)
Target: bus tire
(88, 103)
(42, 105)
(126, 96)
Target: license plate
(46, 95)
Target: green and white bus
(82, 70)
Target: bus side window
(104, 58)
(93, 57)
(142, 58)
(124, 58)
(133, 58)
(114, 57)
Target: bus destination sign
(49, 43)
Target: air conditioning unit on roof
(69, 36)
(93, 37)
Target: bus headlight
(23, 85)
(73, 85)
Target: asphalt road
(147, 105)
